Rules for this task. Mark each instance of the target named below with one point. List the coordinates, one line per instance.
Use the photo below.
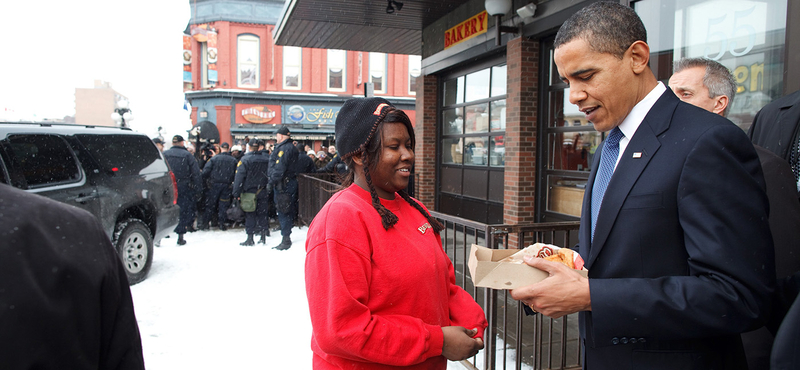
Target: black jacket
(336, 165)
(184, 167)
(251, 174)
(221, 168)
(281, 162)
(65, 302)
(304, 164)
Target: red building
(236, 78)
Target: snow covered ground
(213, 304)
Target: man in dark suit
(777, 129)
(674, 226)
(710, 85)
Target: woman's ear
(358, 159)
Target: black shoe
(249, 242)
(181, 241)
(263, 239)
(203, 227)
(286, 243)
(191, 229)
(223, 227)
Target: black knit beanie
(356, 123)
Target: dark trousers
(285, 193)
(186, 202)
(218, 197)
(258, 221)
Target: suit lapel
(640, 150)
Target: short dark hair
(607, 27)
(718, 78)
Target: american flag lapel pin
(637, 155)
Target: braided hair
(370, 152)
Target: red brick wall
(425, 132)
(522, 58)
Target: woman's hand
(459, 343)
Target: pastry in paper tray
(549, 252)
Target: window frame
(289, 64)
(383, 69)
(343, 61)
(240, 63)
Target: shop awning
(361, 25)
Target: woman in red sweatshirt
(381, 290)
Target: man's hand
(562, 293)
(459, 343)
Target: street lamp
(122, 114)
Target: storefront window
(748, 37)
(570, 143)
(472, 156)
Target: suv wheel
(135, 247)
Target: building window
(748, 37)
(377, 71)
(292, 67)
(337, 67)
(414, 69)
(472, 156)
(204, 65)
(248, 59)
(569, 142)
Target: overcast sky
(51, 47)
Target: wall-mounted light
(390, 8)
(527, 11)
(203, 113)
(499, 8)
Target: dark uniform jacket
(184, 167)
(304, 164)
(65, 302)
(281, 162)
(251, 174)
(221, 168)
(335, 165)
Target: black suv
(116, 174)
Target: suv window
(44, 160)
(122, 155)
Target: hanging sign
(466, 30)
(256, 113)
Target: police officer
(219, 172)
(251, 177)
(187, 175)
(283, 181)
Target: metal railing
(513, 339)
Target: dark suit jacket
(785, 354)
(784, 222)
(775, 126)
(682, 260)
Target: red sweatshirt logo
(422, 229)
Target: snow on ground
(213, 304)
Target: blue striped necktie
(608, 160)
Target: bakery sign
(253, 113)
(466, 30)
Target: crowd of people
(259, 178)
